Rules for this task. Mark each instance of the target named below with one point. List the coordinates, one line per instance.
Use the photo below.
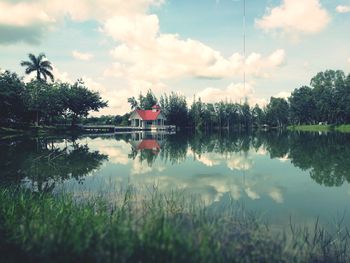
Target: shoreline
(19, 131)
(343, 128)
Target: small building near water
(148, 119)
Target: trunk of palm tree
(38, 75)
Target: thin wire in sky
(244, 44)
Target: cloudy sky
(192, 47)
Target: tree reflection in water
(41, 163)
(325, 156)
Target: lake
(279, 175)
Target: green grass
(150, 228)
(343, 128)
(311, 128)
(316, 128)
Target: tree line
(326, 100)
(40, 101)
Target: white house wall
(135, 116)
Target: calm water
(280, 175)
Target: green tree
(12, 94)
(146, 102)
(302, 106)
(133, 103)
(246, 115)
(175, 109)
(80, 101)
(40, 65)
(325, 85)
(342, 97)
(258, 116)
(37, 99)
(277, 112)
(196, 114)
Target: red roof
(148, 115)
(149, 144)
(157, 107)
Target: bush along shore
(154, 227)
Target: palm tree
(40, 65)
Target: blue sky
(121, 48)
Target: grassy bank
(343, 128)
(153, 228)
(311, 128)
(320, 128)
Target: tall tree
(174, 107)
(12, 94)
(258, 116)
(80, 101)
(146, 102)
(277, 112)
(40, 65)
(302, 106)
(324, 84)
(133, 103)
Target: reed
(152, 227)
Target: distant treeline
(326, 100)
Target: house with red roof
(152, 119)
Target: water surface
(278, 174)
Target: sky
(192, 47)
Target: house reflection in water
(153, 142)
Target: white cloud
(22, 14)
(147, 54)
(235, 92)
(58, 75)
(139, 168)
(136, 29)
(62, 76)
(146, 66)
(239, 163)
(29, 20)
(143, 57)
(295, 16)
(31, 12)
(82, 56)
(211, 185)
(95, 86)
(252, 194)
(209, 159)
(283, 95)
(349, 61)
(262, 151)
(23, 21)
(343, 9)
(117, 151)
(81, 10)
(284, 158)
(146, 58)
(276, 195)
